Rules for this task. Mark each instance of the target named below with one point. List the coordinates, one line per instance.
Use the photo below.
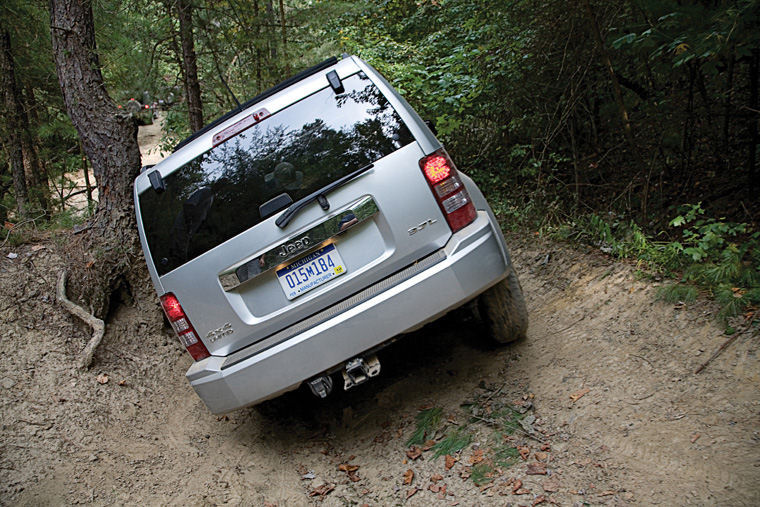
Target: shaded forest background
(631, 125)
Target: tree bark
(190, 65)
(107, 256)
(754, 180)
(36, 176)
(613, 76)
(284, 37)
(12, 124)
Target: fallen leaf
(577, 395)
(449, 462)
(364, 492)
(410, 493)
(89, 264)
(351, 458)
(102, 378)
(607, 493)
(122, 382)
(436, 478)
(414, 453)
(516, 485)
(345, 467)
(428, 445)
(9, 225)
(354, 478)
(270, 504)
(36, 248)
(538, 500)
(546, 447)
(442, 493)
(465, 474)
(322, 490)
(434, 488)
(536, 468)
(408, 477)
(550, 485)
(695, 437)
(522, 491)
(524, 451)
(477, 457)
(540, 456)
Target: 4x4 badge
(223, 331)
(289, 248)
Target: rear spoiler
(258, 98)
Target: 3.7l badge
(418, 228)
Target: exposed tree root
(97, 325)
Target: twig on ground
(568, 327)
(723, 347)
(643, 359)
(97, 325)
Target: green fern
(427, 422)
(453, 442)
(676, 293)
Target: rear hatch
(242, 277)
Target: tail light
(448, 189)
(181, 325)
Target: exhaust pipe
(321, 386)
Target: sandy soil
(645, 431)
(606, 405)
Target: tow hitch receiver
(360, 369)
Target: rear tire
(502, 309)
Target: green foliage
(720, 257)
(451, 443)
(505, 455)
(481, 474)
(427, 422)
(676, 292)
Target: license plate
(311, 271)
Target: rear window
(296, 150)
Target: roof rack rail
(258, 98)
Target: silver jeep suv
(300, 233)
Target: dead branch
(97, 325)
(723, 347)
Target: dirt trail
(648, 431)
(643, 429)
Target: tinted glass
(296, 151)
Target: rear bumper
(473, 260)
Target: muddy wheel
(502, 309)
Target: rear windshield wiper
(319, 196)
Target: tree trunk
(271, 22)
(37, 178)
(284, 37)
(613, 76)
(189, 63)
(259, 59)
(754, 180)
(107, 256)
(12, 123)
